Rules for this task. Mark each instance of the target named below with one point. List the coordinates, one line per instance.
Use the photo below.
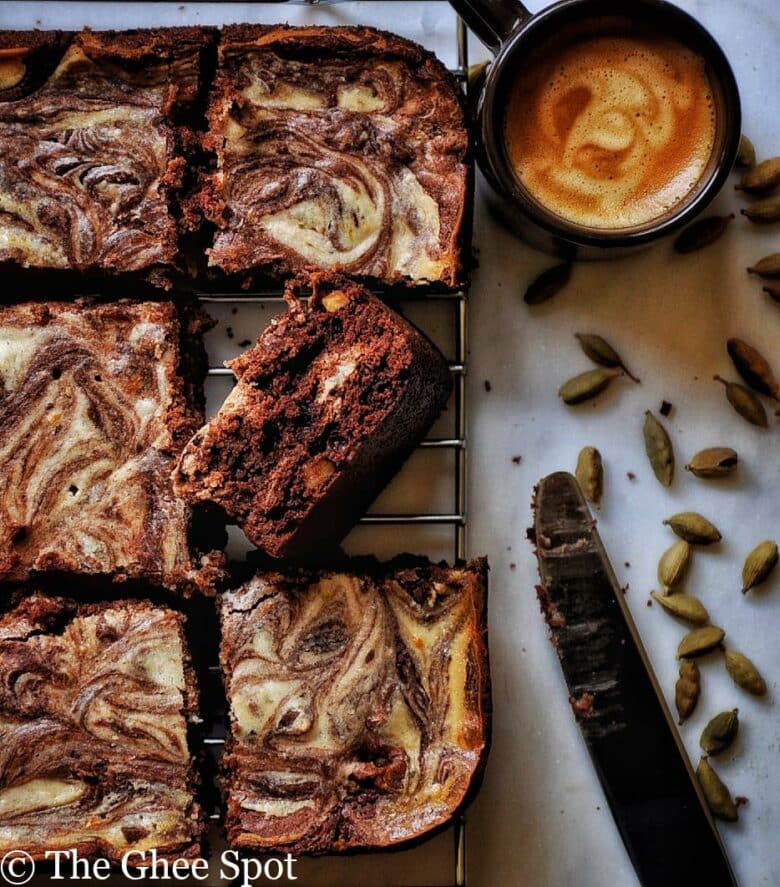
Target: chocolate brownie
(343, 149)
(96, 403)
(94, 706)
(90, 158)
(359, 704)
(328, 404)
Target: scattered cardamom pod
(745, 403)
(602, 353)
(744, 673)
(673, 565)
(768, 267)
(548, 284)
(659, 450)
(590, 474)
(762, 212)
(746, 153)
(759, 564)
(716, 794)
(773, 291)
(587, 385)
(761, 178)
(702, 233)
(700, 641)
(754, 368)
(693, 528)
(720, 732)
(683, 606)
(687, 689)
(713, 462)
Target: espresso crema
(611, 131)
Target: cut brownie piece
(327, 405)
(89, 159)
(342, 149)
(96, 403)
(94, 705)
(359, 704)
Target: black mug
(512, 33)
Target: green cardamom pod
(683, 606)
(590, 474)
(745, 403)
(716, 794)
(773, 291)
(693, 528)
(548, 284)
(768, 267)
(713, 462)
(687, 689)
(674, 564)
(759, 564)
(761, 178)
(587, 385)
(721, 731)
(700, 641)
(702, 233)
(763, 212)
(602, 353)
(744, 673)
(754, 368)
(659, 450)
(746, 153)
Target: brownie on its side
(90, 158)
(96, 403)
(327, 405)
(340, 149)
(359, 704)
(94, 704)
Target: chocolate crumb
(517, 460)
(630, 475)
(649, 602)
(513, 566)
(229, 332)
(624, 588)
(627, 564)
(666, 408)
(488, 386)
(234, 310)
(741, 800)
(245, 343)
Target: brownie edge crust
(359, 705)
(94, 706)
(327, 406)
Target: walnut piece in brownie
(328, 404)
(94, 705)
(343, 149)
(96, 403)
(90, 158)
(359, 705)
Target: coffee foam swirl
(612, 131)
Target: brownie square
(327, 405)
(90, 158)
(96, 403)
(359, 704)
(341, 149)
(94, 705)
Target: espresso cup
(582, 173)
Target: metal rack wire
(457, 517)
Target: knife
(643, 767)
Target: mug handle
(492, 20)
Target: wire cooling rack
(452, 311)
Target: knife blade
(637, 753)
